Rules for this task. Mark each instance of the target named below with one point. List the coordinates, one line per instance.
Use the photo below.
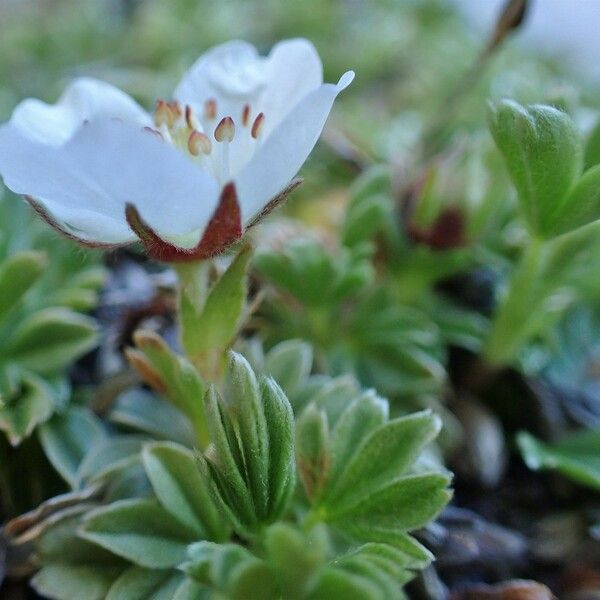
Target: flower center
(218, 146)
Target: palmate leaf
(251, 457)
(385, 453)
(358, 474)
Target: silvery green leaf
(140, 531)
(31, 404)
(289, 363)
(405, 504)
(17, 274)
(140, 410)
(182, 490)
(60, 581)
(384, 454)
(312, 450)
(50, 339)
(68, 437)
(544, 155)
(138, 583)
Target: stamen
(198, 143)
(175, 108)
(157, 134)
(225, 130)
(190, 118)
(210, 109)
(164, 114)
(245, 115)
(257, 126)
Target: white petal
(86, 182)
(85, 99)
(294, 69)
(232, 73)
(282, 154)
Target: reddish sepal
(224, 228)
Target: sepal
(223, 229)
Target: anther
(164, 114)
(210, 109)
(245, 115)
(225, 130)
(257, 126)
(175, 108)
(190, 117)
(198, 143)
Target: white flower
(187, 180)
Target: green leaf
(576, 456)
(17, 274)
(50, 339)
(252, 453)
(191, 590)
(418, 556)
(370, 205)
(140, 531)
(289, 363)
(403, 505)
(544, 155)
(363, 415)
(32, 403)
(137, 583)
(280, 423)
(245, 403)
(295, 558)
(314, 276)
(109, 456)
(67, 438)
(226, 463)
(182, 490)
(59, 541)
(253, 580)
(74, 582)
(335, 583)
(592, 148)
(582, 204)
(171, 375)
(142, 411)
(312, 450)
(384, 455)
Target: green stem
(194, 287)
(516, 312)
